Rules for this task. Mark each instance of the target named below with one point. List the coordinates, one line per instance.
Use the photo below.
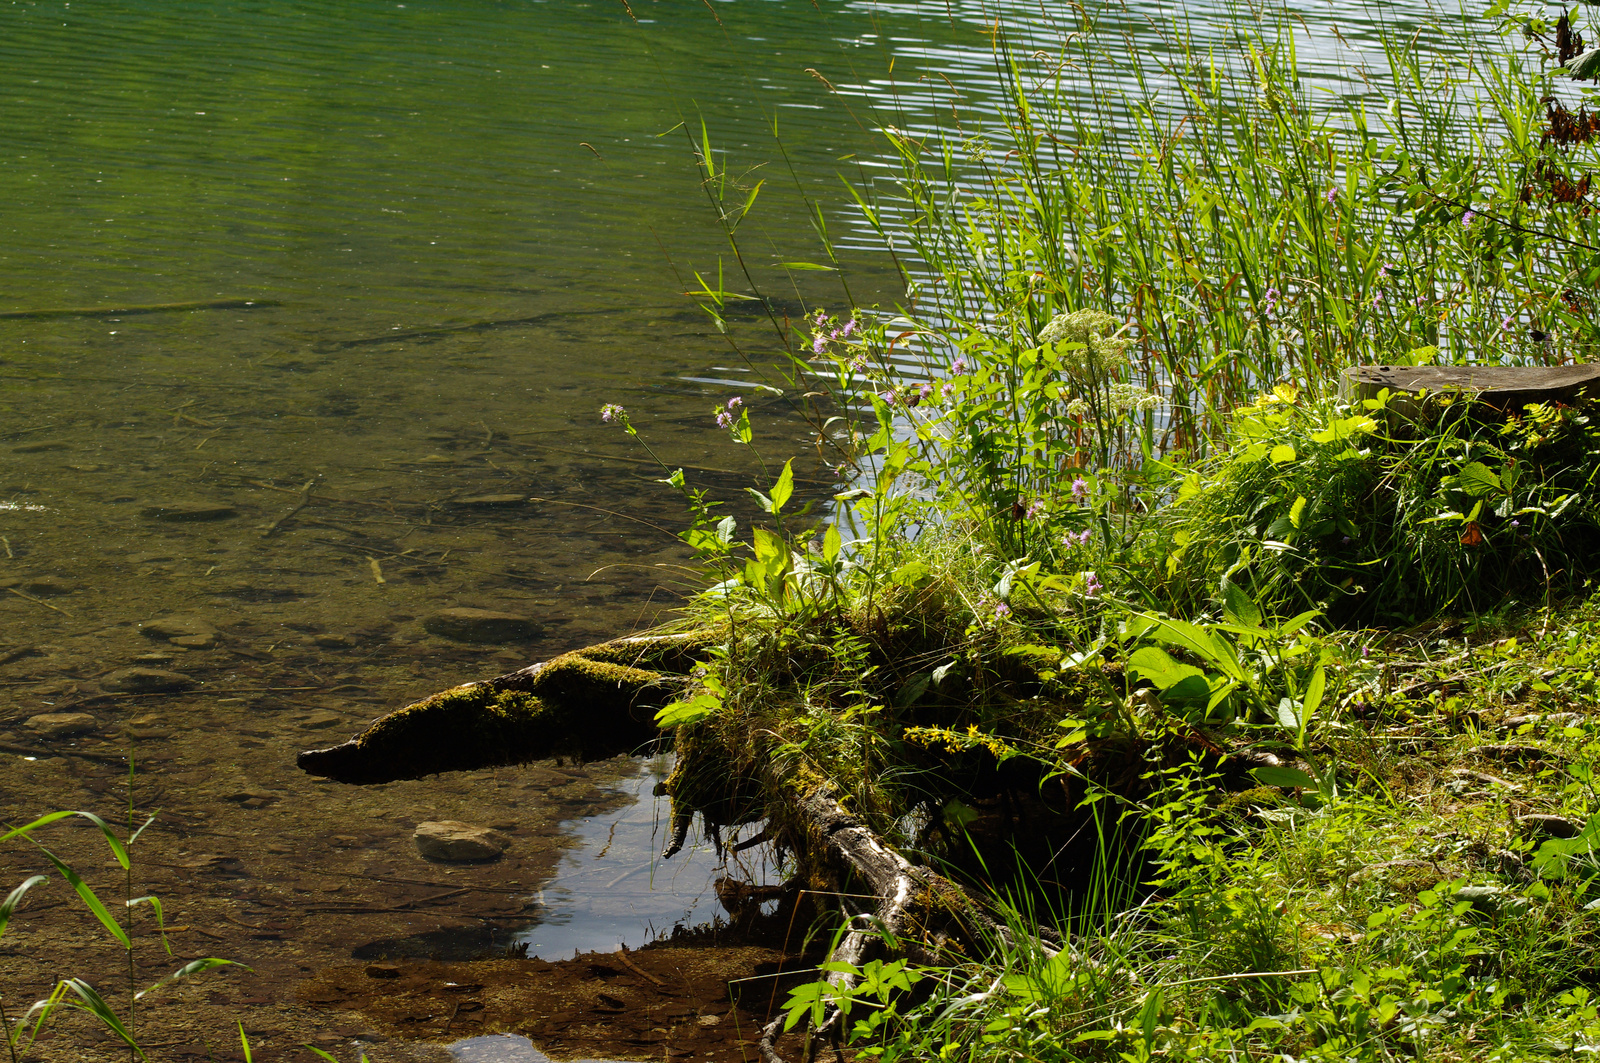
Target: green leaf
(115, 844)
(784, 488)
(1282, 454)
(1478, 479)
(912, 574)
(188, 970)
(1239, 606)
(1293, 778)
(1156, 665)
(694, 710)
(89, 899)
(1585, 67)
(1211, 648)
(14, 898)
(831, 544)
(1314, 691)
(96, 1005)
(1297, 510)
(807, 265)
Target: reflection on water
(613, 889)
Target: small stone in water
(492, 501)
(47, 586)
(334, 642)
(189, 631)
(382, 970)
(61, 724)
(449, 840)
(480, 625)
(187, 511)
(145, 681)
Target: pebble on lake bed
(453, 842)
(480, 625)
(61, 724)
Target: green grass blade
(14, 898)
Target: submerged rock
(61, 724)
(145, 681)
(47, 586)
(480, 625)
(188, 631)
(452, 841)
(188, 511)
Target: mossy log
(591, 703)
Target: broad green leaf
(1210, 648)
(1156, 665)
(1287, 777)
(761, 500)
(1297, 510)
(831, 544)
(1476, 479)
(768, 544)
(1282, 454)
(1239, 605)
(911, 574)
(784, 488)
(1585, 67)
(694, 710)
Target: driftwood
(1501, 388)
(599, 702)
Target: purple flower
(946, 390)
(724, 418)
(1091, 584)
(1002, 611)
(1377, 298)
(1383, 270)
(1080, 489)
(819, 343)
(1331, 195)
(1419, 300)
(892, 396)
(960, 367)
(735, 402)
(1505, 323)
(925, 390)
(1035, 510)
(1516, 524)
(822, 315)
(1466, 219)
(1072, 539)
(612, 412)
(1366, 651)
(848, 330)
(1273, 296)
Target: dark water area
(424, 242)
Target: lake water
(434, 238)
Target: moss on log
(591, 703)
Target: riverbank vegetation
(1249, 706)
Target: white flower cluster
(1103, 350)
(1129, 397)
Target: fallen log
(598, 702)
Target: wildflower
(1377, 297)
(960, 367)
(1419, 300)
(1072, 539)
(1001, 611)
(1516, 524)
(1466, 219)
(1035, 510)
(1366, 651)
(892, 396)
(1091, 585)
(612, 412)
(1099, 348)
(1383, 270)
(1080, 489)
(819, 343)
(1331, 195)
(848, 330)
(1505, 323)
(925, 390)
(946, 390)
(735, 402)
(822, 315)
(1077, 408)
(724, 419)
(1272, 297)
